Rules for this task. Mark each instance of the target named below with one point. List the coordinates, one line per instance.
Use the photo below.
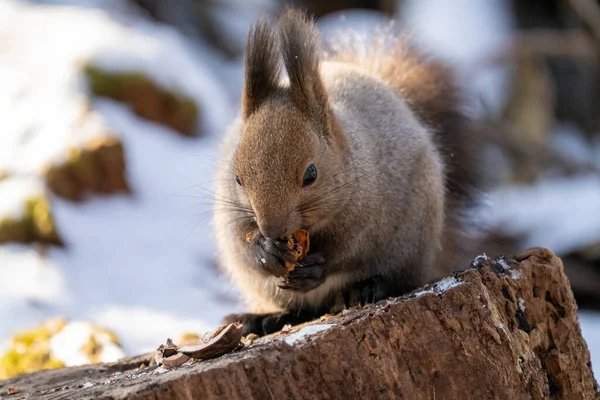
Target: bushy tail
(429, 89)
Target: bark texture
(504, 329)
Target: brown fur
(262, 66)
(392, 153)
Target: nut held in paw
(299, 245)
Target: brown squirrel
(369, 152)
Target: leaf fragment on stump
(225, 340)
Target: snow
(42, 97)
(45, 92)
(141, 265)
(305, 332)
(14, 193)
(447, 284)
(548, 213)
(521, 304)
(38, 281)
(440, 287)
(67, 344)
(571, 143)
(467, 34)
(590, 328)
(514, 273)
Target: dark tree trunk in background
(320, 8)
(576, 82)
(194, 18)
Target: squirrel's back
(429, 88)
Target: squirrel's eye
(310, 175)
(237, 179)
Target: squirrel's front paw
(368, 291)
(307, 276)
(271, 255)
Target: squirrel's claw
(365, 292)
(307, 276)
(265, 324)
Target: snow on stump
(147, 99)
(98, 167)
(25, 212)
(505, 329)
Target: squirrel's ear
(262, 65)
(300, 49)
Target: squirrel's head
(291, 152)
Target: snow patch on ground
(562, 214)
(14, 193)
(46, 94)
(68, 344)
(30, 281)
(590, 329)
(141, 265)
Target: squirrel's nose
(273, 227)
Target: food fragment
(169, 349)
(252, 336)
(287, 328)
(13, 390)
(175, 360)
(251, 235)
(158, 355)
(299, 245)
(164, 350)
(225, 340)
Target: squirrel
(365, 148)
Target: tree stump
(502, 329)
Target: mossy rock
(57, 343)
(98, 168)
(188, 338)
(146, 98)
(36, 225)
(29, 351)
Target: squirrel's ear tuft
(262, 65)
(300, 50)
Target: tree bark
(503, 329)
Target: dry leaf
(175, 360)
(225, 340)
(13, 390)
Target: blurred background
(111, 113)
